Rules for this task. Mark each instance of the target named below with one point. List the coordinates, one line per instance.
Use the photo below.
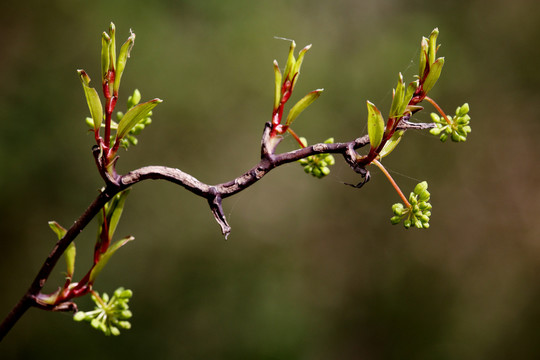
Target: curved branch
(213, 193)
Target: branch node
(109, 179)
(268, 144)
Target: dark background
(313, 269)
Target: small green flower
(456, 128)
(109, 314)
(318, 164)
(418, 212)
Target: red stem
(436, 106)
(396, 187)
(295, 136)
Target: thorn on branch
(217, 211)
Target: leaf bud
(462, 120)
(420, 187)
(124, 325)
(456, 137)
(424, 196)
(134, 99)
(397, 209)
(395, 220)
(132, 140)
(424, 206)
(330, 160)
(407, 223)
(79, 316)
(462, 110)
(96, 324)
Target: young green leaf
(112, 47)
(277, 87)
(134, 115)
(70, 254)
(375, 125)
(105, 258)
(291, 61)
(398, 99)
(409, 94)
(434, 74)
(105, 56)
(302, 104)
(58, 229)
(433, 45)
(424, 49)
(114, 211)
(92, 99)
(392, 143)
(122, 59)
(70, 251)
(298, 64)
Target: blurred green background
(313, 269)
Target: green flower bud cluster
(457, 128)
(419, 211)
(317, 165)
(109, 314)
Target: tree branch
(213, 193)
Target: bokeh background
(313, 269)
